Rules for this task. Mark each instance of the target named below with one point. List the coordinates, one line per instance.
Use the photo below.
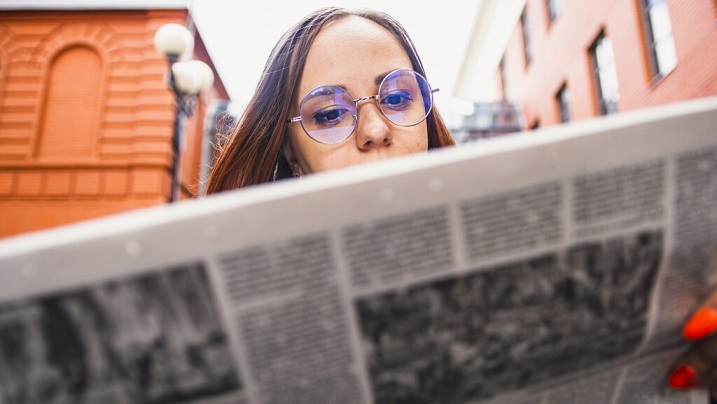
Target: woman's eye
(397, 100)
(330, 116)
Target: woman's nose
(373, 130)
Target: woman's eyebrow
(380, 77)
(377, 80)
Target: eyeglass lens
(329, 113)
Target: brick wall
(86, 118)
(560, 54)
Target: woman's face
(356, 54)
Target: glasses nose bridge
(367, 98)
(370, 97)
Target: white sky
(239, 35)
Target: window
(562, 99)
(553, 7)
(658, 33)
(602, 60)
(503, 78)
(218, 124)
(526, 36)
(71, 116)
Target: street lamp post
(186, 80)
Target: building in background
(86, 115)
(563, 60)
(487, 120)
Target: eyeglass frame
(360, 99)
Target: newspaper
(548, 267)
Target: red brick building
(566, 60)
(86, 115)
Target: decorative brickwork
(86, 117)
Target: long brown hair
(252, 153)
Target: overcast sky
(240, 34)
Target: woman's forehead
(351, 52)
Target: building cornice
(493, 27)
(95, 5)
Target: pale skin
(354, 53)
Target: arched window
(71, 114)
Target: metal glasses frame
(370, 97)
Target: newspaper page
(547, 267)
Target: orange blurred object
(684, 377)
(701, 324)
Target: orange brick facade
(560, 55)
(86, 116)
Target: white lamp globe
(205, 72)
(173, 40)
(187, 78)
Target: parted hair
(252, 153)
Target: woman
(265, 146)
(346, 87)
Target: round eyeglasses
(329, 114)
